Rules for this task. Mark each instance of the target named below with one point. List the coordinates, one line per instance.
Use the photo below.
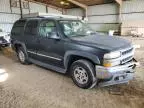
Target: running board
(48, 66)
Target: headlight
(112, 55)
(109, 59)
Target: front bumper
(117, 74)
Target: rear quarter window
(18, 27)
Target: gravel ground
(30, 86)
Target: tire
(22, 56)
(83, 74)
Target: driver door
(51, 47)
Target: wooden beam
(49, 5)
(78, 4)
(85, 7)
(119, 2)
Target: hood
(109, 43)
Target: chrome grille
(127, 51)
(127, 55)
(126, 59)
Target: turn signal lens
(107, 64)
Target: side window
(31, 27)
(18, 27)
(47, 28)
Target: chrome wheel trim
(81, 75)
(21, 56)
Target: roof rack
(47, 15)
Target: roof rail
(47, 15)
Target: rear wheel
(22, 56)
(83, 74)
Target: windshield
(75, 28)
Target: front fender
(87, 55)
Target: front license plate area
(120, 77)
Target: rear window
(18, 27)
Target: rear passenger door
(30, 36)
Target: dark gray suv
(68, 45)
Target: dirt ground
(30, 86)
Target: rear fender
(22, 45)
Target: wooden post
(29, 7)
(10, 6)
(46, 9)
(120, 13)
(119, 2)
(21, 12)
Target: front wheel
(83, 74)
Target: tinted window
(20, 23)
(47, 28)
(18, 27)
(31, 27)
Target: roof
(66, 4)
(48, 15)
(52, 18)
(38, 15)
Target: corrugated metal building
(105, 17)
(10, 11)
(102, 17)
